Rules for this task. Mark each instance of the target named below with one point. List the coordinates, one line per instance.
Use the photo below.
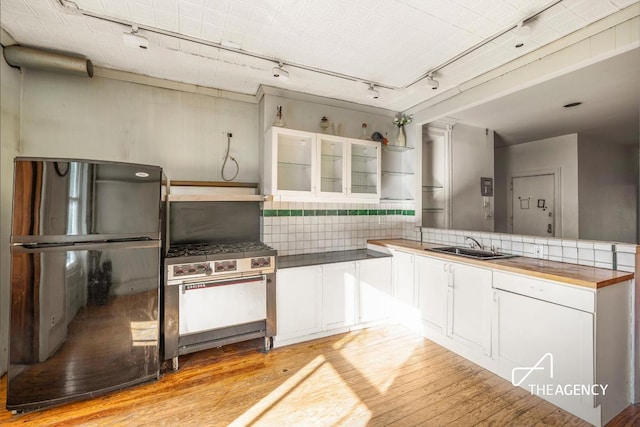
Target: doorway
(532, 205)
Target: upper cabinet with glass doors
(364, 171)
(306, 166)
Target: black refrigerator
(85, 279)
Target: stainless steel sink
(470, 253)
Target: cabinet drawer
(558, 293)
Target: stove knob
(208, 271)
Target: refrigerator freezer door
(84, 321)
(75, 200)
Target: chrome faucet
(473, 241)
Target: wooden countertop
(573, 274)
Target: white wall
(545, 155)
(10, 84)
(607, 189)
(471, 158)
(105, 119)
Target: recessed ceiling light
(142, 174)
(572, 104)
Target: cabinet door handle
(444, 267)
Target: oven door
(207, 305)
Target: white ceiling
(388, 42)
(609, 91)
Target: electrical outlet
(538, 251)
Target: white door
(528, 329)
(432, 277)
(374, 289)
(532, 205)
(338, 295)
(298, 301)
(469, 311)
(405, 311)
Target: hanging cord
(226, 158)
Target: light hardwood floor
(378, 376)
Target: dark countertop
(291, 261)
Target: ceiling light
(432, 82)
(373, 92)
(522, 34)
(279, 72)
(133, 39)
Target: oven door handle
(188, 286)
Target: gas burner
(203, 249)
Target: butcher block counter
(574, 274)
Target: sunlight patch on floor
(380, 372)
(303, 398)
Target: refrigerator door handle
(46, 247)
(129, 239)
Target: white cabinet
(332, 170)
(469, 306)
(306, 166)
(317, 301)
(298, 302)
(529, 328)
(573, 336)
(374, 290)
(432, 278)
(338, 295)
(455, 300)
(364, 171)
(290, 163)
(405, 310)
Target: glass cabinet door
(365, 169)
(295, 169)
(332, 168)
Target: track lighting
(432, 82)
(133, 39)
(279, 72)
(373, 92)
(522, 34)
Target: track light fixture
(279, 72)
(432, 82)
(373, 92)
(522, 34)
(133, 39)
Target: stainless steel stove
(218, 294)
(199, 260)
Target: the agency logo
(520, 374)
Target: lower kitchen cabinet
(322, 300)
(469, 303)
(551, 335)
(432, 279)
(405, 307)
(374, 290)
(298, 302)
(338, 295)
(454, 302)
